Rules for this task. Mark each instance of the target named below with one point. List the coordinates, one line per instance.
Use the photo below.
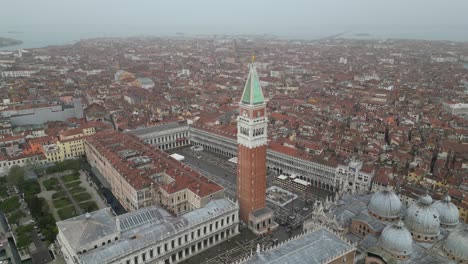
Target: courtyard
(69, 193)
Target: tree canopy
(16, 175)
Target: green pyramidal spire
(252, 91)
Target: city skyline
(240, 132)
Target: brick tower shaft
(251, 183)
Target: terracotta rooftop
(72, 132)
(138, 162)
(43, 140)
(219, 130)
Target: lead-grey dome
(397, 240)
(423, 219)
(385, 204)
(457, 243)
(448, 212)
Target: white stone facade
(151, 235)
(16, 74)
(6, 165)
(351, 178)
(252, 131)
(456, 109)
(164, 137)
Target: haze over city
(243, 14)
(61, 22)
(243, 132)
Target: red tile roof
(110, 143)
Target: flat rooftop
(138, 229)
(315, 247)
(155, 129)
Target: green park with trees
(37, 206)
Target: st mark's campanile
(252, 152)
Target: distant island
(6, 42)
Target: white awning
(293, 176)
(302, 182)
(177, 157)
(233, 160)
(282, 177)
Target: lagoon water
(36, 36)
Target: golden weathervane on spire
(253, 58)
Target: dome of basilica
(385, 204)
(397, 240)
(456, 244)
(422, 219)
(448, 212)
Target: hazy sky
(236, 15)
